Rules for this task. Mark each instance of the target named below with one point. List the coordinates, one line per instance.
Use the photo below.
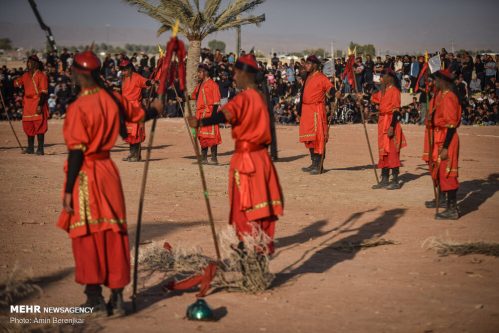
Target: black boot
(204, 155)
(451, 213)
(441, 201)
(135, 153)
(316, 167)
(116, 304)
(31, 146)
(130, 154)
(309, 168)
(214, 150)
(385, 172)
(95, 300)
(139, 151)
(394, 184)
(41, 140)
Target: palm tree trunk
(193, 56)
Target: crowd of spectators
(476, 84)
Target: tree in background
(216, 44)
(320, 52)
(5, 44)
(197, 23)
(363, 49)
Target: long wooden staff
(10, 122)
(429, 118)
(195, 146)
(325, 143)
(141, 199)
(141, 204)
(365, 131)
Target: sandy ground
(396, 288)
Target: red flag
(349, 71)
(202, 280)
(170, 70)
(423, 71)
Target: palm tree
(196, 23)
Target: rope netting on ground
(244, 266)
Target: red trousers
(390, 160)
(33, 128)
(244, 227)
(446, 183)
(102, 258)
(208, 142)
(312, 145)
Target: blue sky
(291, 25)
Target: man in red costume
(390, 136)
(132, 84)
(94, 211)
(207, 97)
(445, 118)
(313, 121)
(254, 190)
(35, 106)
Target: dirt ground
(393, 288)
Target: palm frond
(194, 23)
(235, 9)
(211, 8)
(238, 22)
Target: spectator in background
(414, 72)
(490, 70)
(368, 70)
(467, 68)
(359, 73)
(475, 84)
(406, 84)
(275, 60)
(52, 104)
(64, 58)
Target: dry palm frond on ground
(241, 269)
(17, 286)
(445, 248)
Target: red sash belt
(246, 147)
(101, 155)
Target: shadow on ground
(474, 193)
(325, 255)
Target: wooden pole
(195, 146)
(10, 122)
(141, 204)
(365, 132)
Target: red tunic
(131, 90)
(447, 115)
(254, 189)
(313, 121)
(98, 227)
(207, 95)
(388, 148)
(34, 85)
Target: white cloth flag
(328, 68)
(435, 63)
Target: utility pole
(238, 39)
(107, 33)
